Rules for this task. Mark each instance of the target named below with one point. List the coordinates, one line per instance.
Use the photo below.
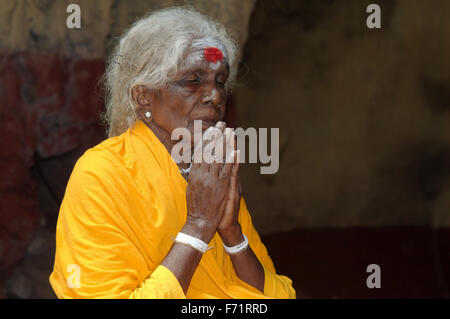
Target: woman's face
(196, 93)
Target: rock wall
(50, 102)
(363, 114)
(41, 24)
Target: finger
(227, 168)
(240, 185)
(218, 159)
(228, 153)
(220, 148)
(235, 182)
(198, 155)
(207, 157)
(234, 179)
(221, 126)
(234, 195)
(231, 145)
(235, 140)
(228, 143)
(211, 131)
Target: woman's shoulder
(106, 158)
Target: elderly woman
(135, 224)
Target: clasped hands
(213, 192)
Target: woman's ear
(142, 99)
(141, 96)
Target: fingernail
(220, 124)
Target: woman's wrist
(198, 228)
(232, 235)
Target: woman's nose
(211, 96)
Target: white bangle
(193, 242)
(238, 248)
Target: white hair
(150, 53)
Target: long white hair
(150, 53)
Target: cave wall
(50, 102)
(363, 114)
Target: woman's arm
(245, 263)
(252, 267)
(275, 285)
(182, 260)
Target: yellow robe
(124, 203)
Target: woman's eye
(189, 82)
(193, 80)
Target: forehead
(206, 51)
(195, 59)
(208, 43)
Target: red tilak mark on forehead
(213, 54)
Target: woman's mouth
(206, 123)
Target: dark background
(364, 135)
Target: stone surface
(363, 118)
(41, 24)
(18, 206)
(21, 287)
(363, 114)
(50, 102)
(30, 278)
(332, 262)
(49, 110)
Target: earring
(148, 114)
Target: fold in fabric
(124, 203)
